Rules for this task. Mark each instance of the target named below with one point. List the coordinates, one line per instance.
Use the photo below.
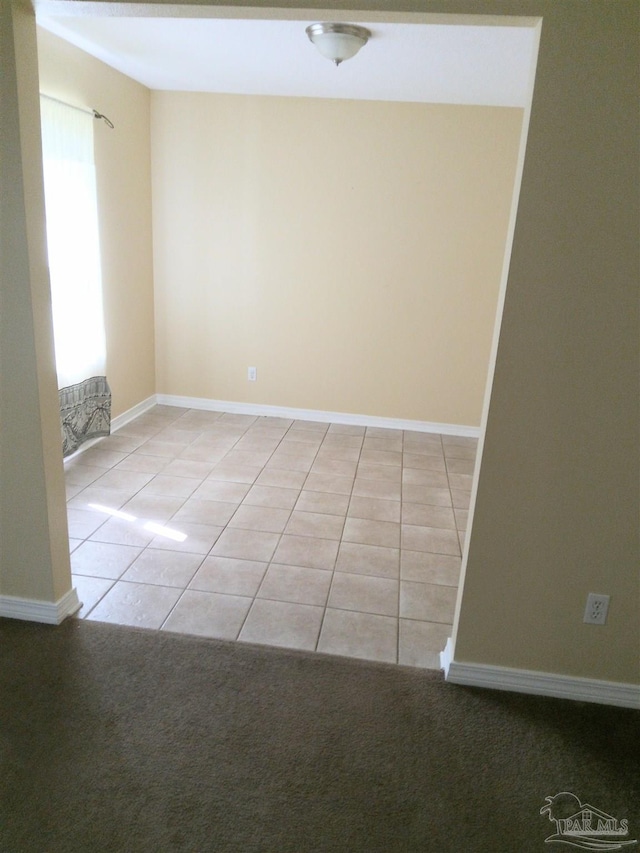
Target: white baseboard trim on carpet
(314, 415)
(139, 409)
(446, 656)
(48, 612)
(539, 683)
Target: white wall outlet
(252, 374)
(595, 613)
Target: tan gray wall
(350, 250)
(556, 515)
(124, 208)
(34, 548)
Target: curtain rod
(92, 112)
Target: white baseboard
(314, 415)
(31, 610)
(446, 656)
(126, 417)
(539, 683)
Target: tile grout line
(171, 517)
(400, 551)
(270, 561)
(226, 526)
(186, 498)
(335, 562)
(87, 539)
(112, 468)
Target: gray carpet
(114, 739)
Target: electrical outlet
(595, 613)
(252, 374)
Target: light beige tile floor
(332, 538)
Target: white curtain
(73, 242)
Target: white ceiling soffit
(433, 63)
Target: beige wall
(350, 250)
(124, 208)
(557, 501)
(556, 514)
(34, 547)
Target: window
(73, 241)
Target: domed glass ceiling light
(338, 42)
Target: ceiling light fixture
(338, 42)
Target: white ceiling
(443, 62)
